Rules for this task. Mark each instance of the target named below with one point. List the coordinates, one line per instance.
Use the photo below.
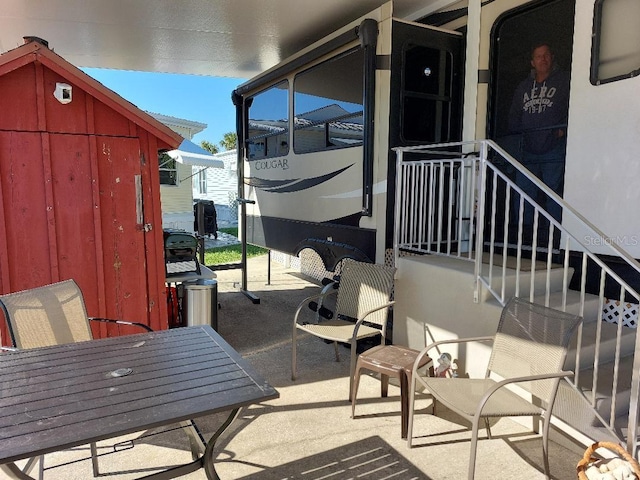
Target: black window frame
(167, 170)
(594, 72)
(441, 99)
(284, 86)
(327, 146)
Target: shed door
(72, 208)
(123, 236)
(97, 204)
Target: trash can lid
(200, 284)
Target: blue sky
(197, 98)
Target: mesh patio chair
(362, 310)
(55, 314)
(529, 350)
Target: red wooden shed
(80, 188)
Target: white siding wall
(177, 201)
(222, 188)
(602, 169)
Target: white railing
(436, 205)
(467, 205)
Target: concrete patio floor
(307, 433)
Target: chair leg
(545, 445)
(30, 463)
(404, 400)
(356, 383)
(487, 425)
(535, 424)
(294, 342)
(335, 347)
(11, 470)
(384, 385)
(474, 447)
(352, 367)
(412, 396)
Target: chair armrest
(121, 322)
(528, 378)
(304, 303)
(326, 291)
(369, 312)
(329, 289)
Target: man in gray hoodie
(539, 114)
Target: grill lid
(179, 239)
(180, 252)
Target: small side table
(389, 361)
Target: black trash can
(200, 303)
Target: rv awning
(189, 153)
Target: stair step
(572, 410)
(512, 262)
(573, 300)
(608, 331)
(576, 412)
(570, 407)
(604, 388)
(521, 279)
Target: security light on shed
(63, 93)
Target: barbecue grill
(180, 249)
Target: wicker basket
(589, 459)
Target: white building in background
(219, 185)
(176, 189)
(184, 183)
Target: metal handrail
(415, 215)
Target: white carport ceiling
(225, 38)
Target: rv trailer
(317, 129)
(389, 141)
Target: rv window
(328, 104)
(615, 53)
(268, 129)
(168, 169)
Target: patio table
(55, 398)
